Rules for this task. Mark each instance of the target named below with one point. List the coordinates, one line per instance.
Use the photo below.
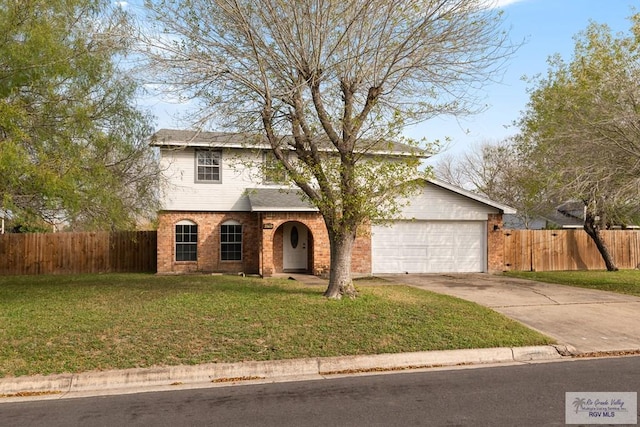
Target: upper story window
(208, 166)
(186, 241)
(274, 171)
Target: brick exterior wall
(361, 261)
(495, 244)
(318, 241)
(208, 242)
(262, 249)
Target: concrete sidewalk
(588, 320)
(223, 374)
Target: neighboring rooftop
(552, 220)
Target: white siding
(437, 203)
(184, 193)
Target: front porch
(293, 242)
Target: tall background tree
(348, 73)
(581, 129)
(72, 143)
(499, 171)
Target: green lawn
(56, 324)
(623, 281)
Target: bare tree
(497, 170)
(348, 73)
(451, 169)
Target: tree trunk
(340, 282)
(594, 232)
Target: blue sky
(545, 26)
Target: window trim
(268, 172)
(233, 223)
(217, 153)
(185, 244)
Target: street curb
(266, 370)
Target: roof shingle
(276, 199)
(188, 138)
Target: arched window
(231, 241)
(186, 241)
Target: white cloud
(503, 3)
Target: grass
(56, 324)
(623, 281)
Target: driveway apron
(588, 320)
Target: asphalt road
(521, 395)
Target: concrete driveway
(588, 320)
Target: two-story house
(225, 209)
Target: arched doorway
(296, 245)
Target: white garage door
(429, 247)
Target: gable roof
(187, 138)
(282, 200)
(471, 195)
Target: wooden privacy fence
(548, 250)
(67, 253)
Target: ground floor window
(186, 241)
(231, 241)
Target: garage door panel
(429, 247)
(414, 252)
